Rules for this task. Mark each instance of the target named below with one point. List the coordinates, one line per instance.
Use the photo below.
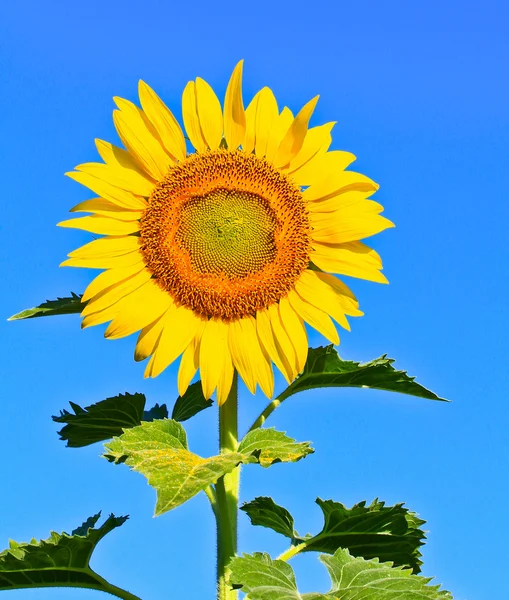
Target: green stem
(292, 551)
(227, 495)
(269, 409)
(108, 587)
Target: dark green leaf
(389, 533)
(271, 446)
(60, 561)
(265, 512)
(352, 579)
(60, 306)
(106, 419)
(324, 368)
(158, 450)
(191, 403)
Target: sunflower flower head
(222, 255)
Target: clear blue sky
(421, 96)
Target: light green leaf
(271, 446)
(352, 579)
(158, 450)
(191, 403)
(105, 419)
(265, 512)
(389, 533)
(60, 306)
(324, 368)
(62, 560)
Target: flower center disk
(226, 234)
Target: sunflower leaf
(352, 579)
(265, 512)
(62, 560)
(389, 533)
(61, 306)
(105, 419)
(270, 446)
(159, 451)
(191, 403)
(324, 368)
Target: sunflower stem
(227, 495)
(268, 410)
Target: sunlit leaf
(271, 446)
(324, 368)
(60, 306)
(62, 560)
(191, 403)
(105, 419)
(389, 533)
(352, 579)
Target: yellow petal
(189, 364)
(283, 342)
(266, 337)
(313, 290)
(117, 177)
(266, 115)
(100, 317)
(99, 206)
(294, 137)
(337, 182)
(249, 140)
(147, 340)
(140, 138)
(354, 259)
(101, 225)
(163, 122)
(278, 132)
(316, 143)
(109, 192)
(225, 380)
(213, 354)
(107, 246)
(140, 308)
(341, 200)
(180, 329)
(349, 228)
(320, 169)
(296, 330)
(106, 261)
(248, 357)
(108, 278)
(116, 292)
(190, 116)
(315, 317)
(234, 115)
(209, 113)
(345, 295)
(121, 162)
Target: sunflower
(222, 255)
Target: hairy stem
(268, 410)
(227, 495)
(292, 551)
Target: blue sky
(421, 96)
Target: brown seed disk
(226, 234)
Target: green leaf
(352, 579)
(60, 306)
(105, 419)
(389, 533)
(271, 446)
(158, 450)
(265, 512)
(324, 368)
(62, 560)
(191, 403)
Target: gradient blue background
(421, 96)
